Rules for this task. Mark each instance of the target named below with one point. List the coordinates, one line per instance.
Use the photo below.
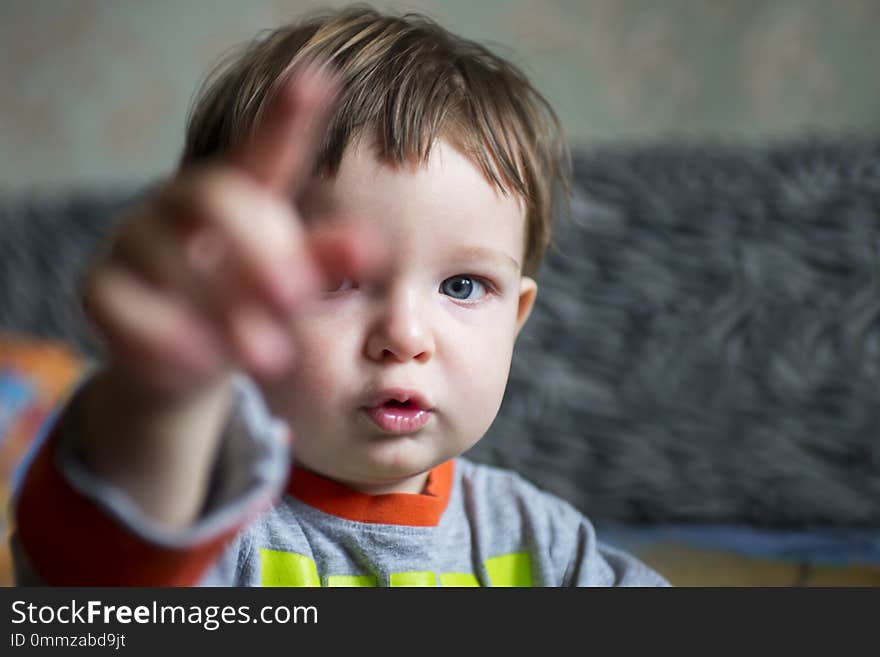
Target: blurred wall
(96, 91)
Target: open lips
(399, 411)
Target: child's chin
(394, 479)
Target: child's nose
(401, 331)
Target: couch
(699, 375)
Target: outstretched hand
(204, 276)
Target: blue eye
(463, 288)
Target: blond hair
(410, 82)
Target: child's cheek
(315, 370)
(318, 369)
(481, 364)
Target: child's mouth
(400, 412)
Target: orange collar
(414, 510)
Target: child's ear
(528, 290)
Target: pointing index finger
(283, 147)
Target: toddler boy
(338, 271)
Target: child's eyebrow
(484, 253)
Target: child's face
(439, 323)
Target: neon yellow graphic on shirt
(280, 568)
(351, 580)
(414, 578)
(510, 569)
(458, 579)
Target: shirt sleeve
(594, 563)
(75, 529)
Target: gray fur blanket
(707, 342)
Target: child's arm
(75, 528)
(196, 285)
